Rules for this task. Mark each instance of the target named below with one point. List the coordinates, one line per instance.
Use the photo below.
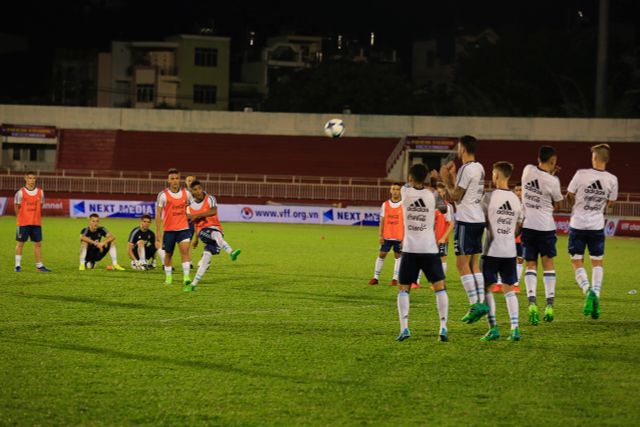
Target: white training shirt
(418, 208)
(593, 189)
(540, 190)
(503, 212)
(471, 178)
(17, 199)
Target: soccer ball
(334, 128)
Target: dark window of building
(206, 57)
(16, 154)
(144, 93)
(204, 94)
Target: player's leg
(489, 272)
(141, 253)
(408, 271)
(432, 268)
(511, 299)
(36, 237)
(377, 269)
(397, 252)
(595, 244)
(150, 256)
(185, 255)
(83, 255)
(549, 276)
(443, 250)
(21, 237)
(208, 237)
(113, 254)
(168, 246)
(223, 245)
(531, 252)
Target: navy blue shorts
(94, 254)
(519, 250)
(411, 264)
(468, 237)
(538, 243)
(592, 239)
(192, 228)
(388, 244)
(505, 267)
(171, 238)
(26, 232)
(206, 236)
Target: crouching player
(93, 248)
(142, 246)
(203, 212)
(503, 213)
(420, 249)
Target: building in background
(74, 77)
(183, 71)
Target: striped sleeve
(133, 235)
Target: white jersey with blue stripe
(470, 178)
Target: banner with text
(299, 214)
(111, 208)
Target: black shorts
(519, 250)
(468, 237)
(208, 237)
(388, 244)
(26, 232)
(581, 239)
(411, 264)
(171, 238)
(94, 254)
(443, 249)
(538, 243)
(505, 267)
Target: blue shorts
(170, 238)
(207, 237)
(519, 250)
(505, 267)
(388, 244)
(468, 237)
(538, 243)
(411, 264)
(592, 239)
(26, 232)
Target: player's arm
(194, 240)
(130, 247)
(447, 233)
(449, 176)
(88, 240)
(571, 198)
(381, 229)
(211, 212)
(613, 196)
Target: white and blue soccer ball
(334, 128)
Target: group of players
(416, 223)
(184, 217)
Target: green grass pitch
(291, 334)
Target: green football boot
(188, 287)
(587, 310)
(470, 313)
(548, 314)
(514, 335)
(234, 254)
(534, 316)
(492, 334)
(595, 313)
(168, 280)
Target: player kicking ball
(420, 249)
(203, 212)
(503, 213)
(591, 192)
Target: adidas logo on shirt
(506, 209)
(533, 186)
(418, 206)
(595, 188)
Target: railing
(397, 152)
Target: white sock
(378, 268)
(161, 254)
(442, 300)
(469, 285)
(39, 264)
(531, 282)
(479, 279)
(549, 279)
(512, 308)
(186, 267)
(582, 279)
(202, 267)
(596, 279)
(396, 268)
(418, 278)
(403, 309)
(113, 254)
(83, 254)
(142, 254)
(18, 260)
(222, 243)
(168, 270)
(519, 268)
(491, 302)
(444, 267)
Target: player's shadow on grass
(349, 299)
(96, 301)
(197, 364)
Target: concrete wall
(494, 128)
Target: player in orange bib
(172, 226)
(391, 234)
(203, 212)
(28, 203)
